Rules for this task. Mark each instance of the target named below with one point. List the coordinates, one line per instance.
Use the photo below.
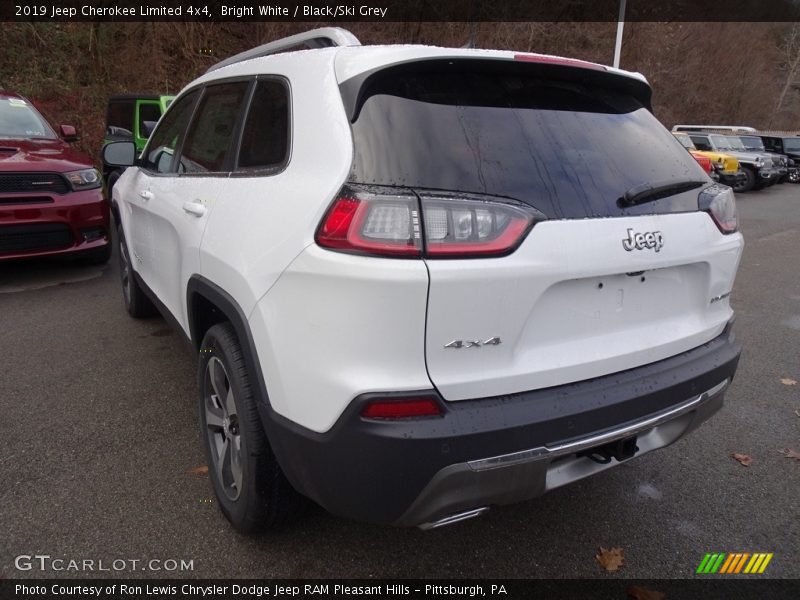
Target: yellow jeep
(725, 165)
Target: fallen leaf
(787, 381)
(611, 559)
(202, 470)
(789, 453)
(743, 459)
(639, 593)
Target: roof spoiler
(324, 37)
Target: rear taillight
(368, 223)
(467, 227)
(719, 202)
(390, 223)
(401, 408)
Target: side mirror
(119, 154)
(68, 133)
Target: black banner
(398, 10)
(710, 588)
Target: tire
(136, 301)
(794, 176)
(748, 183)
(112, 179)
(250, 487)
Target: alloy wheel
(222, 428)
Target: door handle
(195, 208)
(145, 194)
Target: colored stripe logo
(734, 563)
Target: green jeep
(131, 118)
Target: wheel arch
(208, 304)
(203, 294)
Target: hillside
(741, 73)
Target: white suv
(423, 281)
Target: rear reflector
(404, 408)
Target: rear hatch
(620, 267)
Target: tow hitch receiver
(620, 449)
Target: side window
(701, 143)
(265, 137)
(160, 151)
(209, 140)
(149, 114)
(119, 120)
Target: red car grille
(33, 182)
(39, 236)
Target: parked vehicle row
(725, 167)
(759, 165)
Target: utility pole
(620, 27)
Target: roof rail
(705, 128)
(324, 37)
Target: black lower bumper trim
(375, 471)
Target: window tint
(119, 120)
(18, 119)
(752, 142)
(265, 138)
(791, 144)
(149, 114)
(161, 149)
(210, 136)
(772, 144)
(701, 143)
(686, 141)
(571, 149)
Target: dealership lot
(101, 448)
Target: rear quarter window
(265, 136)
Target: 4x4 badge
(495, 341)
(641, 241)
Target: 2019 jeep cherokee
(423, 281)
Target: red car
(51, 197)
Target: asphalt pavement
(100, 452)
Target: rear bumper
(58, 224)
(498, 450)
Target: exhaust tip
(454, 518)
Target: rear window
(568, 148)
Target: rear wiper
(647, 192)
